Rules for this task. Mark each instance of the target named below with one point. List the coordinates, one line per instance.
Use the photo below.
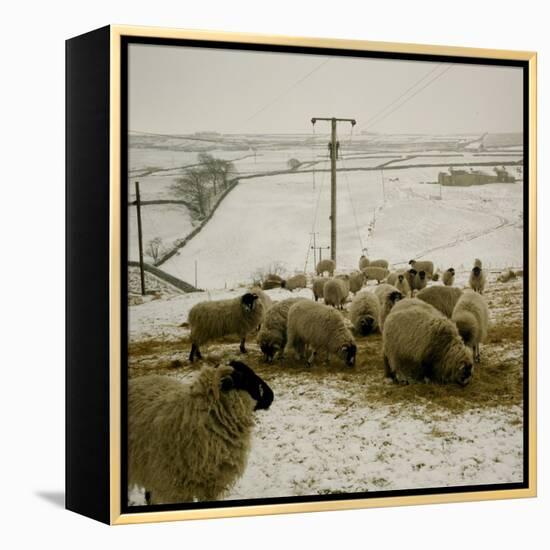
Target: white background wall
(32, 232)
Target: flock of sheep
(191, 441)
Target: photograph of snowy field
(322, 306)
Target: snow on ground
(332, 429)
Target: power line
(391, 104)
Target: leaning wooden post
(140, 240)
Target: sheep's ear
(227, 383)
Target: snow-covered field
(332, 429)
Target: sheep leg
(241, 347)
(311, 358)
(388, 372)
(148, 498)
(195, 351)
(477, 354)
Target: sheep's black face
(451, 271)
(412, 262)
(248, 300)
(412, 271)
(395, 296)
(348, 353)
(422, 275)
(269, 351)
(244, 378)
(366, 325)
(401, 278)
(476, 271)
(465, 374)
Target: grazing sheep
(388, 296)
(379, 263)
(326, 265)
(364, 313)
(267, 302)
(336, 292)
(443, 298)
(410, 276)
(477, 263)
(210, 320)
(318, 287)
(375, 273)
(356, 281)
(477, 280)
(363, 262)
(319, 328)
(471, 315)
(420, 343)
(190, 441)
(426, 266)
(297, 281)
(272, 335)
(506, 276)
(449, 277)
(420, 280)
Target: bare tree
(193, 187)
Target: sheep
(388, 296)
(319, 328)
(409, 276)
(346, 279)
(191, 440)
(471, 316)
(364, 313)
(297, 281)
(443, 298)
(391, 279)
(506, 276)
(420, 280)
(435, 276)
(449, 277)
(420, 343)
(477, 263)
(402, 285)
(363, 262)
(210, 320)
(425, 265)
(267, 302)
(268, 284)
(318, 287)
(326, 265)
(477, 280)
(356, 281)
(379, 263)
(272, 335)
(336, 292)
(375, 273)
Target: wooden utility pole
(333, 146)
(140, 239)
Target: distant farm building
(463, 178)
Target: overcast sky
(177, 90)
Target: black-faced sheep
(364, 313)
(375, 273)
(319, 328)
(391, 279)
(335, 292)
(477, 280)
(402, 285)
(420, 343)
(443, 298)
(449, 277)
(318, 287)
(363, 262)
(410, 275)
(326, 266)
(425, 265)
(267, 302)
(420, 280)
(272, 335)
(471, 315)
(210, 320)
(190, 441)
(295, 282)
(388, 296)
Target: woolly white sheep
(388, 296)
(217, 318)
(190, 441)
(319, 328)
(379, 263)
(471, 315)
(424, 265)
(402, 285)
(318, 287)
(443, 298)
(266, 300)
(336, 292)
(356, 281)
(272, 335)
(420, 343)
(375, 273)
(477, 280)
(449, 277)
(364, 313)
(297, 281)
(326, 265)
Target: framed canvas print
(300, 274)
